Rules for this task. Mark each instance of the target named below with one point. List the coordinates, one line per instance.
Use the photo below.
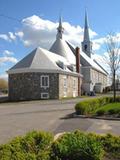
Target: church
(62, 71)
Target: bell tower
(86, 44)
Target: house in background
(63, 71)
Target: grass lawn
(111, 108)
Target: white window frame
(42, 97)
(65, 86)
(74, 84)
(65, 82)
(44, 76)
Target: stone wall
(27, 86)
(91, 77)
(86, 79)
(98, 79)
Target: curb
(95, 117)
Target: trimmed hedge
(69, 146)
(88, 107)
(109, 109)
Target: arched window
(85, 47)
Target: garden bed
(76, 145)
(99, 107)
(111, 110)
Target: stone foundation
(27, 86)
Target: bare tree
(112, 58)
(3, 84)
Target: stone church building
(63, 71)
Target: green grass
(111, 108)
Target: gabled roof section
(26, 61)
(87, 61)
(42, 60)
(61, 48)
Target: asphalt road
(19, 118)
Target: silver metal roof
(41, 60)
(60, 47)
(87, 61)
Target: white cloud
(7, 53)
(12, 36)
(37, 31)
(4, 37)
(100, 40)
(97, 43)
(20, 34)
(101, 61)
(5, 59)
(8, 37)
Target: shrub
(104, 100)
(112, 111)
(100, 112)
(70, 146)
(87, 106)
(90, 106)
(33, 145)
(111, 144)
(77, 145)
(118, 99)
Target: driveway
(19, 118)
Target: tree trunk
(114, 87)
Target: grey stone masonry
(27, 86)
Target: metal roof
(60, 47)
(87, 61)
(41, 60)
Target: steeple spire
(86, 28)
(86, 44)
(60, 29)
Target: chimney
(78, 68)
(77, 59)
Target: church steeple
(86, 28)
(60, 29)
(86, 44)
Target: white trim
(74, 84)
(44, 76)
(65, 81)
(24, 70)
(44, 93)
(65, 85)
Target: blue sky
(18, 37)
